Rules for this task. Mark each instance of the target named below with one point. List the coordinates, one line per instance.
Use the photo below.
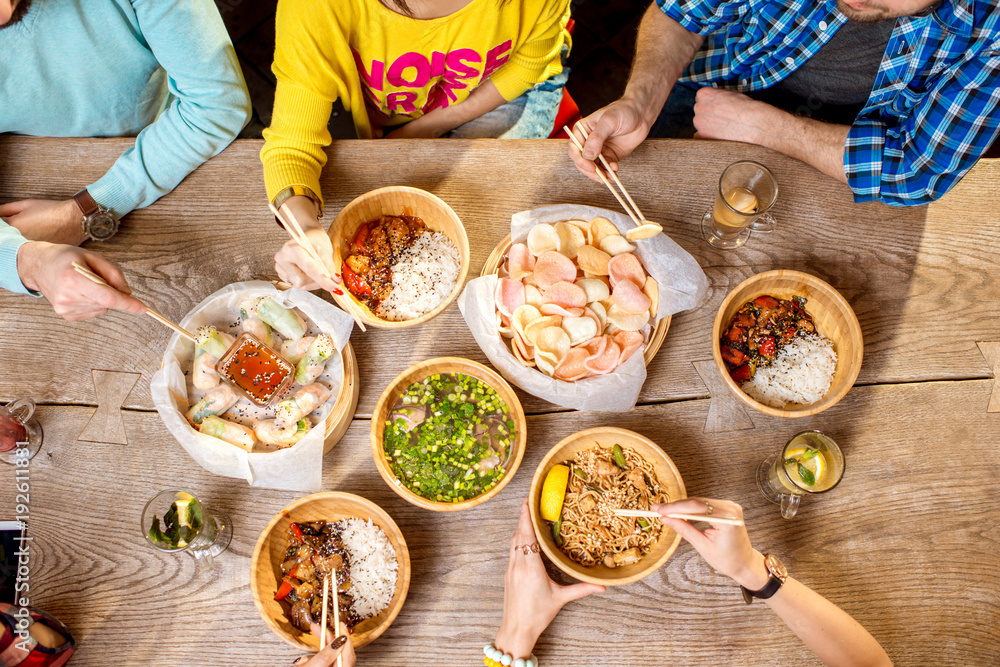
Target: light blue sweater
(164, 71)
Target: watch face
(102, 226)
(776, 567)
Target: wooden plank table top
(907, 543)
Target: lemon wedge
(554, 492)
(815, 464)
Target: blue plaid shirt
(931, 113)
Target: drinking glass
(747, 191)
(204, 538)
(811, 462)
(20, 434)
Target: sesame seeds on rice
(422, 278)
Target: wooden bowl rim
(384, 519)
(350, 387)
(446, 365)
(538, 524)
(349, 303)
(656, 336)
(854, 331)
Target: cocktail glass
(811, 462)
(20, 433)
(202, 532)
(747, 191)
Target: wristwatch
(98, 222)
(778, 576)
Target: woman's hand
(531, 599)
(338, 646)
(726, 548)
(294, 265)
(48, 268)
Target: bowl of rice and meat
(787, 343)
(607, 468)
(448, 434)
(403, 254)
(319, 535)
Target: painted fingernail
(338, 642)
(338, 292)
(338, 276)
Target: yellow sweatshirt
(388, 69)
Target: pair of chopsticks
(93, 277)
(299, 236)
(336, 615)
(637, 217)
(709, 518)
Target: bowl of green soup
(448, 434)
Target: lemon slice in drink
(814, 464)
(553, 492)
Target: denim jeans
(676, 119)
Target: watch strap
(298, 191)
(86, 203)
(770, 588)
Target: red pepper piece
(283, 590)
(766, 301)
(736, 335)
(297, 531)
(732, 356)
(741, 373)
(766, 348)
(360, 237)
(355, 283)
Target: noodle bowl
(602, 480)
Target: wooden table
(907, 543)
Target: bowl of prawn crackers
(574, 493)
(318, 537)
(403, 254)
(448, 434)
(787, 343)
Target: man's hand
(48, 268)
(730, 116)
(46, 220)
(615, 131)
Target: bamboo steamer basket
(268, 554)
(832, 315)
(656, 338)
(396, 200)
(418, 372)
(667, 474)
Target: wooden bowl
(666, 473)
(265, 566)
(342, 414)
(396, 200)
(499, 254)
(833, 316)
(418, 372)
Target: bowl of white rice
(427, 277)
(811, 372)
(378, 559)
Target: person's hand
(424, 127)
(48, 268)
(294, 265)
(728, 115)
(726, 548)
(531, 599)
(46, 220)
(337, 646)
(615, 131)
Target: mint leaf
(807, 475)
(809, 453)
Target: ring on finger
(527, 548)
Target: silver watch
(98, 222)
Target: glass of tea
(20, 432)
(747, 191)
(811, 462)
(174, 520)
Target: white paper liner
(682, 286)
(297, 468)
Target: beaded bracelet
(497, 658)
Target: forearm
(663, 51)
(826, 629)
(818, 144)
(482, 100)
(514, 640)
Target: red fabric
(12, 656)
(568, 113)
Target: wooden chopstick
(636, 216)
(159, 317)
(336, 619)
(586, 135)
(299, 236)
(709, 518)
(326, 599)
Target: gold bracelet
(298, 191)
